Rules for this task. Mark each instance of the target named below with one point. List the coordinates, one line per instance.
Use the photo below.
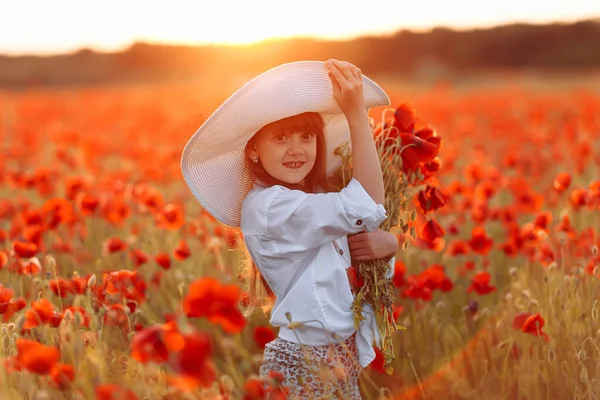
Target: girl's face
(288, 157)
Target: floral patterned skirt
(323, 372)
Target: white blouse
(298, 242)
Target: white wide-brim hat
(213, 163)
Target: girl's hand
(347, 87)
(367, 246)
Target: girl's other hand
(376, 245)
(347, 87)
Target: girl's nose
(295, 148)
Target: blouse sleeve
(298, 221)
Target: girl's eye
(308, 136)
(280, 137)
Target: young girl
(272, 181)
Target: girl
(299, 234)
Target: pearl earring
(255, 159)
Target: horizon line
(123, 47)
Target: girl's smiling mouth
(295, 164)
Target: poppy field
(115, 284)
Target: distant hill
(574, 46)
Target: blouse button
(341, 252)
(359, 222)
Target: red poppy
(416, 289)
(254, 389)
(163, 260)
(479, 241)
(41, 312)
(562, 181)
(378, 363)
(139, 258)
(182, 251)
(263, 335)
(87, 203)
(3, 258)
(13, 307)
(114, 392)
(356, 281)
(399, 278)
(533, 325)
(62, 375)
(24, 249)
(432, 231)
(6, 295)
(193, 362)
(36, 357)
(62, 287)
(431, 199)
(208, 297)
(481, 283)
(171, 217)
(156, 342)
(113, 245)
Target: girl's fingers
(358, 246)
(362, 256)
(344, 67)
(336, 74)
(345, 75)
(355, 71)
(336, 86)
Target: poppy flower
(87, 203)
(62, 287)
(171, 217)
(156, 342)
(431, 199)
(3, 258)
(399, 277)
(6, 295)
(263, 335)
(432, 231)
(356, 281)
(13, 307)
(114, 392)
(163, 260)
(417, 290)
(41, 312)
(192, 362)
(139, 258)
(182, 251)
(562, 181)
(481, 283)
(113, 245)
(378, 363)
(36, 357)
(24, 249)
(479, 241)
(254, 389)
(434, 278)
(208, 297)
(533, 325)
(62, 375)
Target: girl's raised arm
(348, 93)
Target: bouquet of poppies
(408, 149)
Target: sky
(62, 26)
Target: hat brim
(212, 161)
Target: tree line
(564, 46)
